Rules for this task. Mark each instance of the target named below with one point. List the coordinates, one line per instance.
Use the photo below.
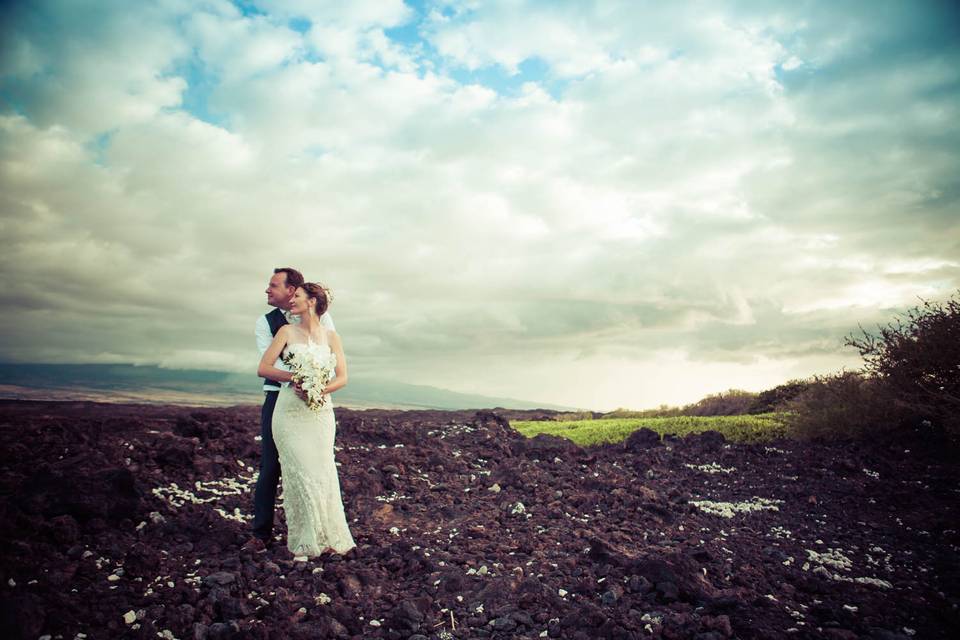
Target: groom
(283, 284)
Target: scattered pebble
(730, 509)
(711, 467)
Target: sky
(594, 204)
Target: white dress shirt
(264, 338)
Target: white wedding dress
(311, 487)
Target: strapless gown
(311, 486)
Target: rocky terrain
(127, 521)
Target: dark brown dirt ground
(466, 529)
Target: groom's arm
(327, 321)
(267, 368)
(262, 333)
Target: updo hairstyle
(321, 293)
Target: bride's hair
(321, 293)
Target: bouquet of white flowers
(313, 368)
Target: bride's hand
(299, 390)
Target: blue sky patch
(201, 83)
(300, 25)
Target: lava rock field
(128, 521)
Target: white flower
(312, 368)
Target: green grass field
(756, 428)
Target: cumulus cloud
(617, 204)
(89, 66)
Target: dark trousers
(266, 492)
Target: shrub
(569, 416)
(917, 358)
(729, 403)
(846, 405)
(660, 412)
(774, 399)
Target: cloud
(237, 47)
(89, 66)
(671, 201)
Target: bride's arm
(266, 369)
(340, 372)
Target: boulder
(708, 440)
(641, 440)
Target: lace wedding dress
(311, 487)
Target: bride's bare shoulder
(288, 332)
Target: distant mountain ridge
(234, 388)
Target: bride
(316, 523)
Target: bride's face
(301, 303)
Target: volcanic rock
(642, 439)
(706, 440)
(547, 447)
(109, 494)
(115, 508)
(221, 578)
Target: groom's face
(278, 293)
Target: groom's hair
(293, 277)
